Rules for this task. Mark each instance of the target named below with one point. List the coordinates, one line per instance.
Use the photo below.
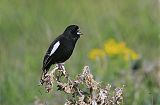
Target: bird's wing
(53, 47)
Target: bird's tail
(44, 72)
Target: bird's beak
(79, 32)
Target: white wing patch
(56, 45)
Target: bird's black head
(72, 31)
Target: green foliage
(27, 27)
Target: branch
(92, 94)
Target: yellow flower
(113, 48)
(96, 53)
(121, 47)
(129, 54)
(134, 55)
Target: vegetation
(27, 27)
(83, 90)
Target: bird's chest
(67, 47)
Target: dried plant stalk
(95, 94)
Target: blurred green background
(27, 27)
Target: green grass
(27, 28)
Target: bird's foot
(61, 66)
(62, 69)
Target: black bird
(60, 49)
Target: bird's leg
(63, 70)
(61, 66)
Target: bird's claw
(61, 66)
